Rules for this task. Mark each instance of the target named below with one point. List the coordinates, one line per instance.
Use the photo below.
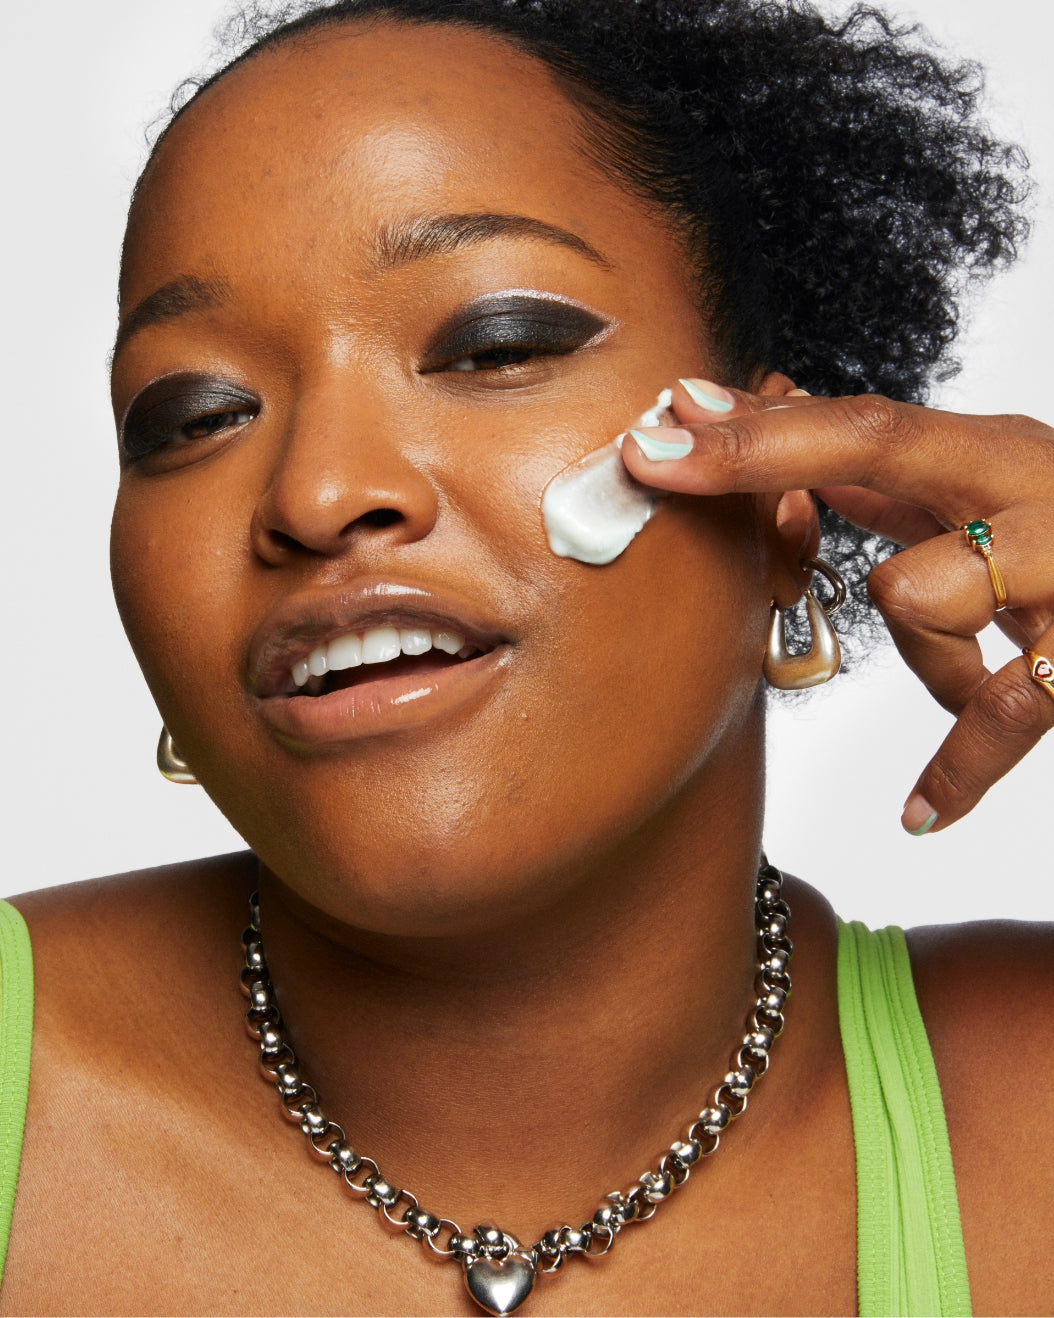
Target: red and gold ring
(1040, 670)
(979, 536)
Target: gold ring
(1041, 671)
(979, 536)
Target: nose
(343, 477)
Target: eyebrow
(396, 245)
(179, 297)
(437, 235)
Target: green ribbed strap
(16, 1037)
(910, 1256)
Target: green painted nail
(918, 816)
(660, 450)
(708, 395)
(925, 826)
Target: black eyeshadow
(159, 413)
(514, 320)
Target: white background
(80, 791)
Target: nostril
(276, 545)
(286, 543)
(380, 517)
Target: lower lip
(383, 705)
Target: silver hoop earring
(172, 765)
(822, 660)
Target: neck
(517, 1076)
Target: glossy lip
(386, 703)
(383, 706)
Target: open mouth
(356, 658)
(369, 659)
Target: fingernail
(662, 450)
(918, 816)
(798, 393)
(710, 396)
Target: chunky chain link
(619, 1209)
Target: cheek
(630, 670)
(174, 562)
(678, 625)
(639, 666)
(139, 574)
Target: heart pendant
(499, 1286)
(1042, 670)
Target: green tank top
(910, 1257)
(16, 1034)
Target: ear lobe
(776, 385)
(795, 536)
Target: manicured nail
(798, 393)
(918, 816)
(710, 396)
(662, 450)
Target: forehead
(330, 139)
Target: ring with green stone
(979, 536)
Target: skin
(508, 944)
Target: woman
(385, 279)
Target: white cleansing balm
(593, 509)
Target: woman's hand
(916, 476)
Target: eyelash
(523, 353)
(522, 336)
(169, 422)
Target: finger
(1018, 625)
(944, 462)
(701, 402)
(652, 454)
(903, 523)
(936, 596)
(1024, 559)
(1006, 717)
(934, 606)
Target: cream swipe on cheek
(594, 508)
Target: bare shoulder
(985, 984)
(129, 972)
(121, 896)
(78, 919)
(99, 945)
(984, 989)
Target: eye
(494, 359)
(182, 410)
(503, 331)
(204, 426)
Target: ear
(791, 519)
(775, 385)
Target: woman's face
(374, 298)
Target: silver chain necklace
(499, 1272)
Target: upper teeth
(375, 646)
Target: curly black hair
(834, 183)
